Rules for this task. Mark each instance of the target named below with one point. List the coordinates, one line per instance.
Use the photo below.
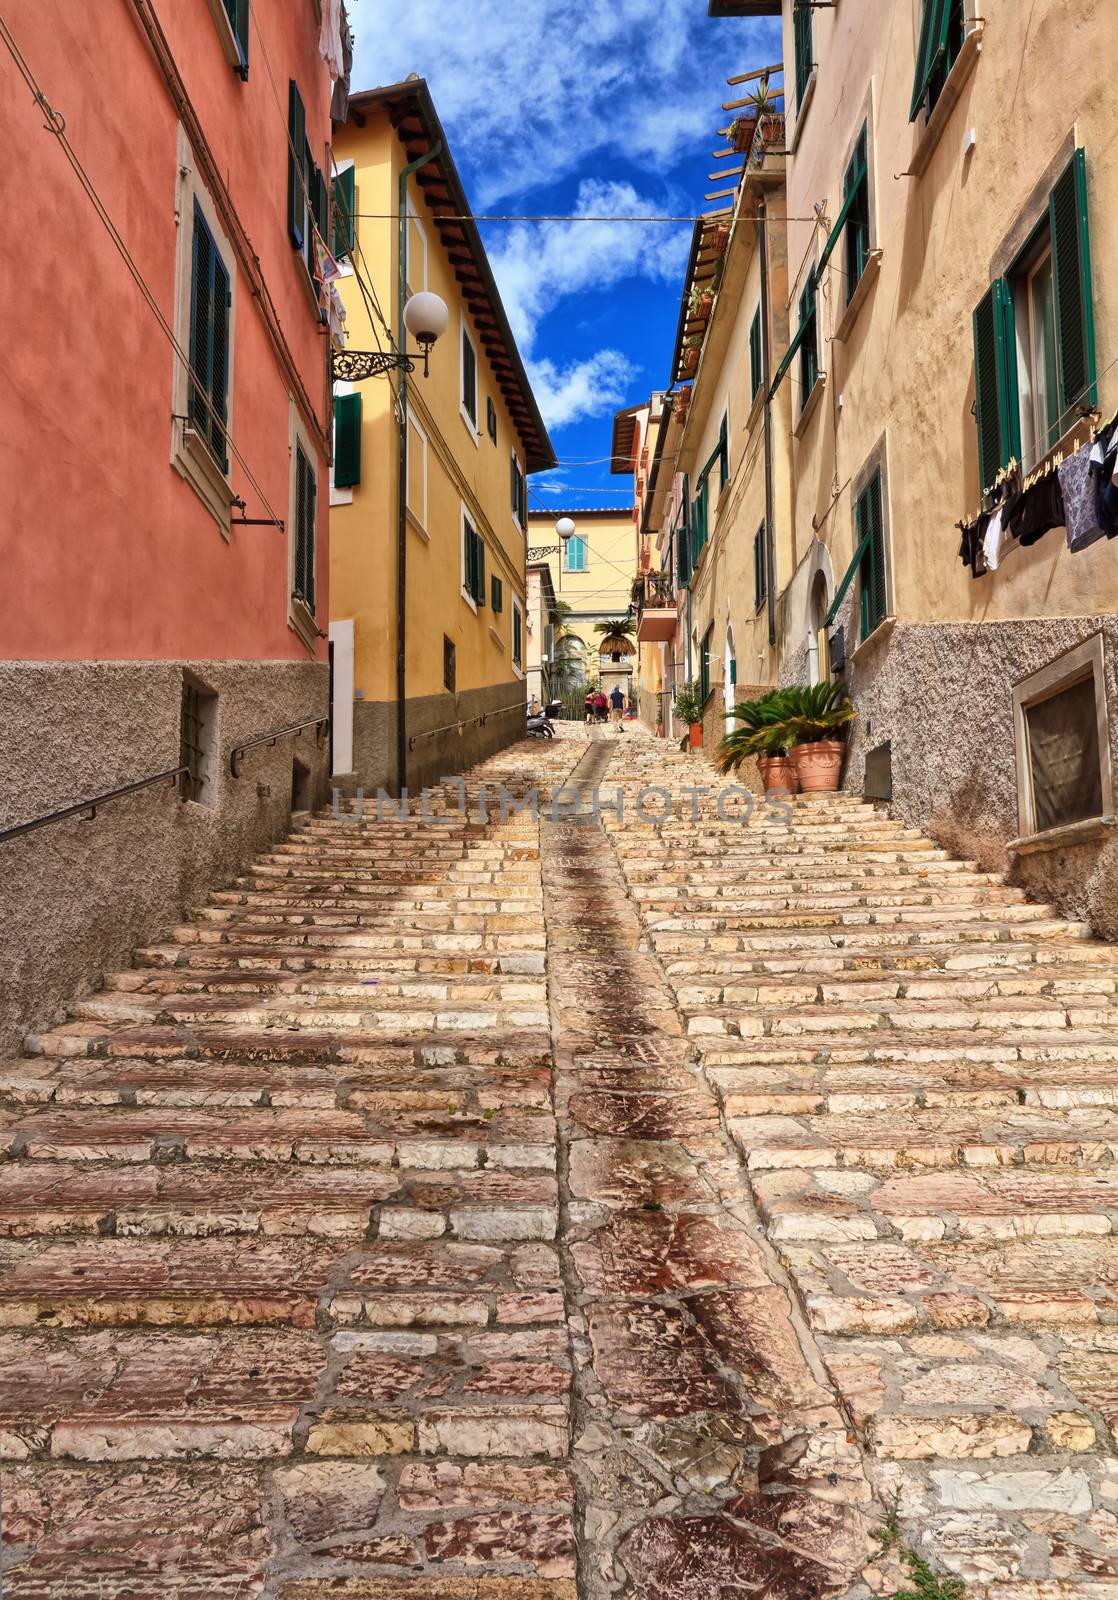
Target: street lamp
(565, 527)
(425, 317)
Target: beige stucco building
(454, 690)
(593, 575)
(942, 335)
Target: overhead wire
(56, 125)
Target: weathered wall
(942, 693)
(374, 734)
(75, 897)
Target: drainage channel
(709, 1459)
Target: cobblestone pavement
(596, 1207)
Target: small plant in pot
(691, 347)
(813, 729)
(741, 134)
(689, 707)
(761, 734)
(700, 302)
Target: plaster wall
(108, 552)
(436, 754)
(453, 470)
(77, 896)
(899, 365)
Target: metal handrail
(457, 727)
(238, 750)
(171, 774)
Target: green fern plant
(760, 733)
(819, 711)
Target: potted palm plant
(762, 734)
(812, 727)
(689, 707)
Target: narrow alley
(575, 1205)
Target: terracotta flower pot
(691, 358)
(696, 735)
(720, 238)
(744, 129)
(818, 765)
(777, 774)
(706, 304)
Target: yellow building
(427, 586)
(593, 572)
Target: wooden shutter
(929, 50)
(801, 29)
(347, 441)
(479, 592)
(496, 595)
(755, 354)
(724, 453)
(296, 141)
(309, 531)
(469, 378)
(995, 382)
(760, 586)
(1071, 265)
(514, 473)
(300, 522)
(237, 12)
(869, 524)
(219, 359)
(201, 317)
(345, 206)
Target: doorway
(818, 654)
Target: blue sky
(604, 107)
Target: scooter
(539, 727)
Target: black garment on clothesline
(1032, 512)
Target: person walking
(617, 708)
(589, 705)
(601, 706)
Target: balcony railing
(654, 589)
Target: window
(473, 563)
(519, 494)
(1060, 724)
(801, 32)
(307, 204)
(496, 595)
(517, 634)
(575, 554)
(344, 235)
(699, 520)
(347, 440)
(1034, 340)
(682, 538)
(809, 338)
(491, 418)
(469, 380)
(856, 203)
(704, 664)
(760, 569)
(724, 452)
(197, 727)
(755, 371)
(231, 21)
(869, 530)
(942, 32)
(417, 473)
(210, 301)
(304, 522)
(450, 665)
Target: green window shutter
(347, 440)
(345, 206)
(760, 586)
(856, 188)
(1071, 265)
(809, 345)
(869, 524)
(219, 362)
(469, 378)
(801, 31)
(201, 319)
(310, 520)
(470, 538)
(479, 592)
(724, 452)
(995, 382)
(514, 476)
(297, 139)
(755, 354)
(496, 595)
(930, 49)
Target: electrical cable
(56, 125)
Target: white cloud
(581, 389)
(537, 264)
(529, 89)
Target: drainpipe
(402, 484)
(766, 380)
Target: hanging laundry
(330, 37)
(334, 306)
(326, 269)
(1077, 483)
(994, 540)
(339, 101)
(1031, 514)
(970, 546)
(1104, 471)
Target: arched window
(818, 660)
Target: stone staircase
(919, 1069)
(279, 1298)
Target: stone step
(808, 1016)
(428, 903)
(863, 940)
(860, 986)
(495, 989)
(369, 1010)
(294, 938)
(219, 958)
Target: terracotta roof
(581, 511)
(412, 113)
